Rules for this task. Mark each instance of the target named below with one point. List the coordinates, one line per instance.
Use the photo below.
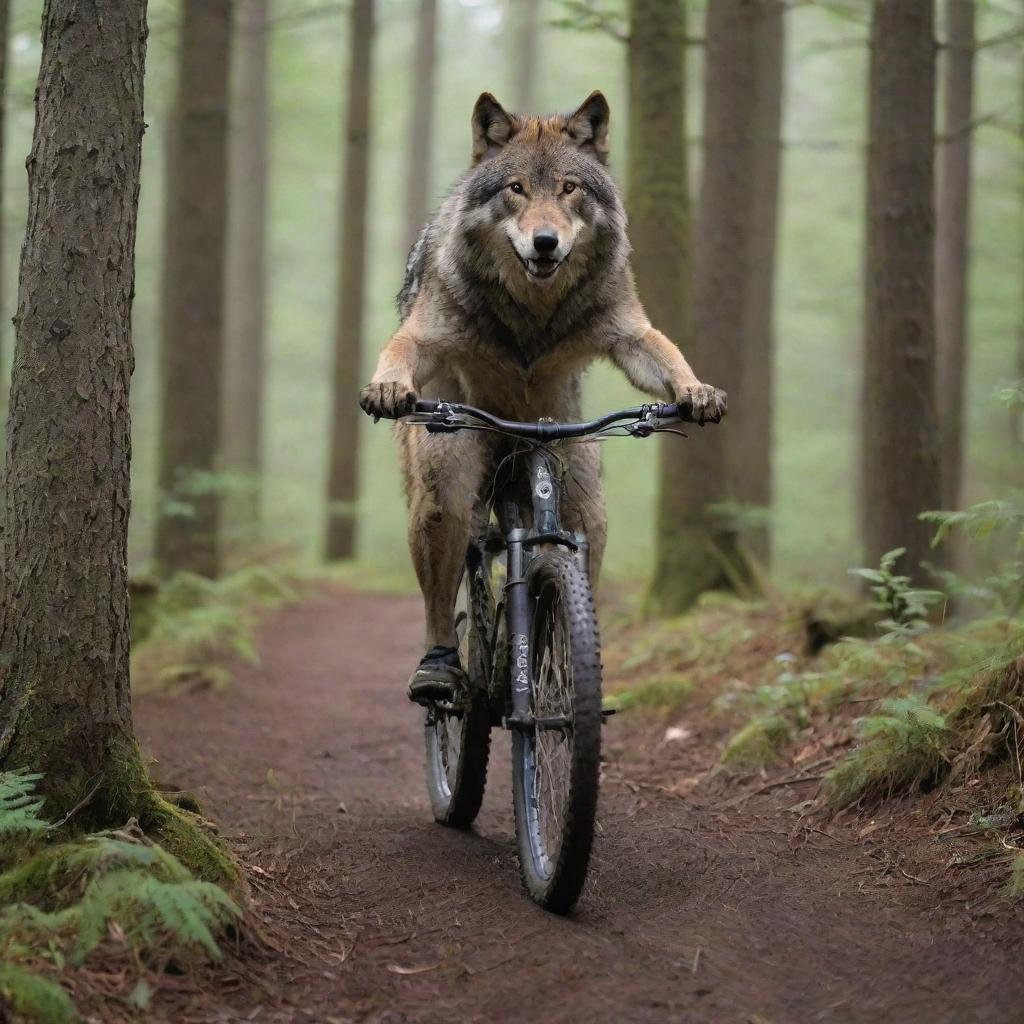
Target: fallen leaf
(674, 733)
(398, 969)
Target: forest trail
(696, 911)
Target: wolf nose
(545, 240)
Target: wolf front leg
(444, 474)
(653, 364)
(402, 370)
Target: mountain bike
(529, 643)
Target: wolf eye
(569, 187)
(517, 188)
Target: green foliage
(757, 743)
(663, 692)
(19, 808)
(31, 997)
(65, 900)
(197, 623)
(906, 607)
(988, 521)
(1015, 886)
(902, 746)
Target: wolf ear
(493, 126)
(588, 126)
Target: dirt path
(696, 912)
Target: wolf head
(540, 210)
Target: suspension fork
(545, 495)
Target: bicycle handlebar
(550, 430)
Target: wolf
(520, 281)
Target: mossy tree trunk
(192, 340)
(901, 472)
(735, 265)
(343, 474)
(65, 708)
(5, 20)
(953, 220)
(659, 210)
(245, 284)
(421, 126)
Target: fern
(154, 915)
(906, 607)
(903, 746)
(31, 997)
(140, 887)
(19, 807)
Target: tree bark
(953, 221)
(735, 263)
(421, 127)
(1016, 412)
(65, 708)
(343, 477)
(245, 283)
(659, 212)
(193, 337)
(525, 52)
(901, 474)
(5, 21)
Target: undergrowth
(932, 695)
(192, 627)
(106, 894)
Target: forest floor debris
(792, 906)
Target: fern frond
(19, 806)
(32, 997)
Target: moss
(183, 833)
(33, 998)
(1014, 888)
(756, 744)
(666, 691)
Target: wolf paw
(387, 400)
(708, 403)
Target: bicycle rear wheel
(555, 765)
(458, 738)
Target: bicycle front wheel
(556, 763)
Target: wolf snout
(545, 241)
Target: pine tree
(192, 341)
(901, 472)
(343, 474)
(953, 220)
(246, 284)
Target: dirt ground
(716, 902)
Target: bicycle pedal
(607, 713)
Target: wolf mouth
(541, 268)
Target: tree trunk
(343, 478)
(902, 475)
(953, 220)
(1016, 412)
(525, 50)
(421, 127)
(735, 266)
(65, 708)
(659, 211)
(5, 20)
(193, 339)
(245, 283)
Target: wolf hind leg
(444, 475)
(583, 506)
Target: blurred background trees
(192, 335)
(741, 135)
